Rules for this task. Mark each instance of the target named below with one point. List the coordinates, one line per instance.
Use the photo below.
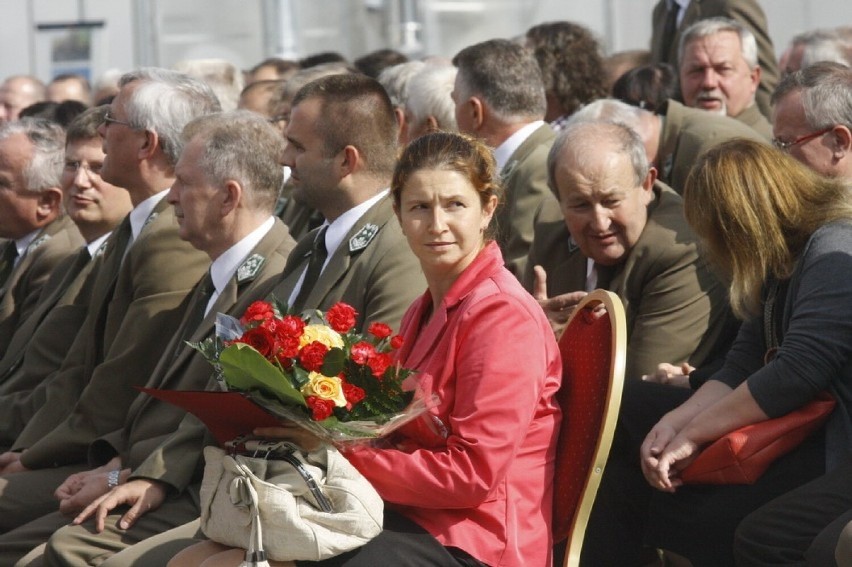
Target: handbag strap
(255, 555)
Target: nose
(438, 222)
(81, 177)
(709, 79)
(601, 219)
(172, 195)
(287, 157)
(102, 130)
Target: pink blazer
(476, 470)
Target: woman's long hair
(754, 209)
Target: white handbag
(277, 501)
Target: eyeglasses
(785, 146)
(108, 119)
(75, 166)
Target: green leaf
(246, 369)
(300, 375)
(334, 361)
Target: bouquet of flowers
(315, 370)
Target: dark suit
(149, 422)
(676, 308)
(19, 295)
(526, 197)
(746, 12)
(689, 132)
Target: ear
(432, 124)
(841, 141)
(232, 196)
(352, 161)
(49, 203)
(755, 77)
(477, 112)
(648, 185)
(149, 145)
(488, 212)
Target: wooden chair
(593, 348)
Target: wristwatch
(112, 478)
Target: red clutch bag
(741, 456)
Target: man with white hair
(719, 71)
(429, 106)
(814, 46)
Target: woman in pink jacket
(469, 482)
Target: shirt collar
(504, 151)
(341, 226)
(224, 267)
(140, 213)
(23, 243)
(95, 244)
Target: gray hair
(823, 45)
(712, 26)
(826, 93)
(505, 76)
(164, 102)
(429, 94)
(243, 146)
(48, 139)
(222, 76)
(587, 136)
(609, 110)
(396, 80)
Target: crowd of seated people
(470, 203)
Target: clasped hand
(665, 453)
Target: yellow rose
(325, 388)
(325, 335)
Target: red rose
(312, 355)
(321, 409)
(361, 352)
(353, 395)
(291, 326)
(258, 311)
(341, 317)
(379, 363)
(260, 339)
(397, 342)
(380, 330)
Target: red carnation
(291, 326)
(312, 355)
(397, 342)
(341, 317)
(258, 311)
(321, 409)
(260, 339)
(380, 330)
(353, 394)
(361, 352)
(289, 347)
(379, 363)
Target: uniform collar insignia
(667, 168)
(363, 237)
(38, 242)
(508, 168)
(572, 245)
(150, 219)
(249, 269)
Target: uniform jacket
(689, 132)
(476, 470)
(379, 280)
(676, 308)
(526, 193)
(181, 367)
(134, 312)
(754, 119)
(55, 242)
(746, 12)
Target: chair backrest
(593, 348)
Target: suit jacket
(132, 316)
(55, 242)
(380, 280)
(42, 342)
(753, 118)
(746, 12)
(677, 310)
(526, 194)
(149, 422)
(689, 132)
(476, 470)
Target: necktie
(319, 253)
(7, 263)
(669, 31)
(197, 311)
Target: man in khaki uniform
(342, 167)
(42, 340)
(141, 289)
(30, 217)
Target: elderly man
(429, 106)
(341, 147)
(30, 217)
(41, 341)
(814, 46)
(717, 61)
(674, 136)
(138, 293)
(812, 119)
(625, 232)
(499, 97)
(224, 195)
(17, 93)
(69, 86)
(671, 17)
